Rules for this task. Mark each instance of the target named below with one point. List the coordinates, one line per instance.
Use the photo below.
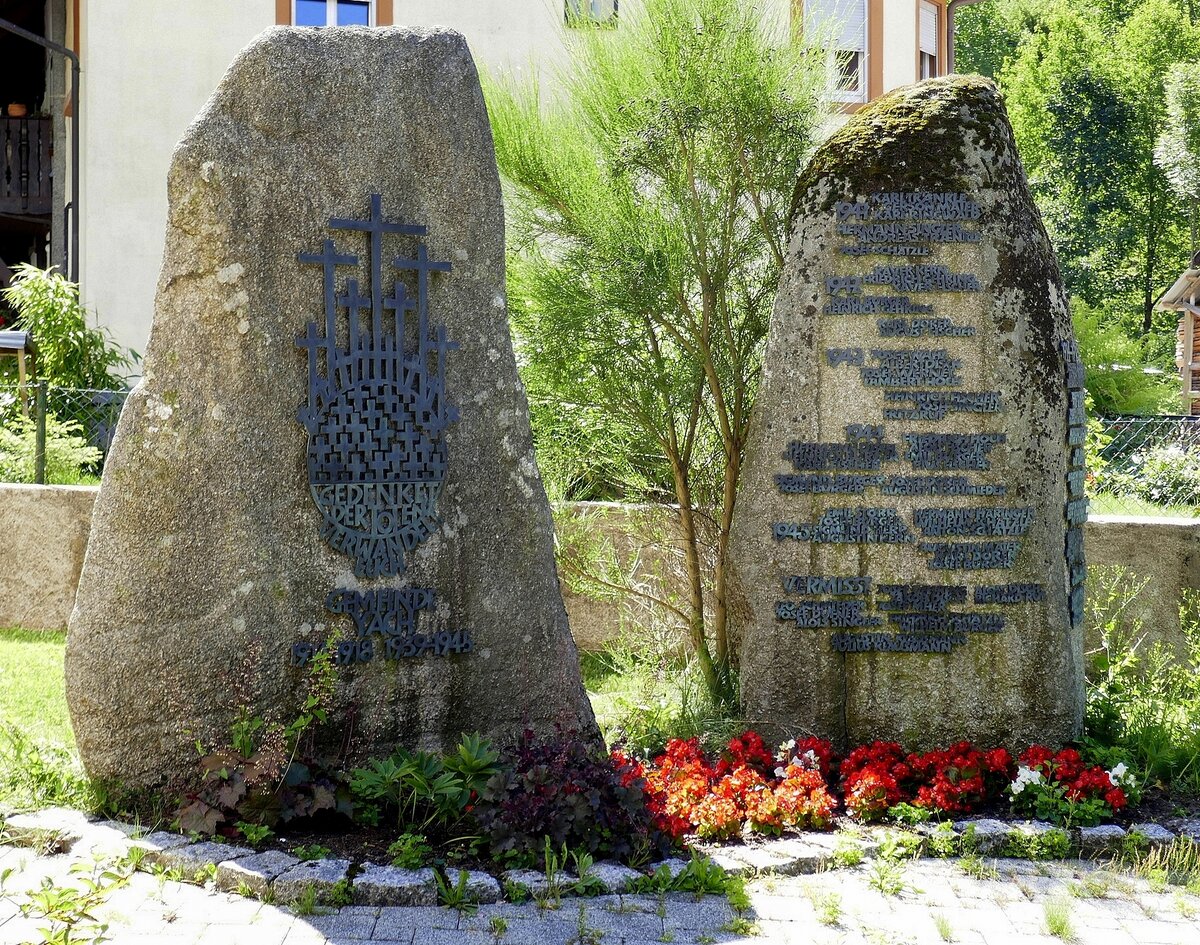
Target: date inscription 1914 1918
(964, 544)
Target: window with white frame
(590, 12)
(841, 26)
(930, 28)
(333, 12)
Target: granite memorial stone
(330, 450)
(907, 552)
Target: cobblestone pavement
(937, 901)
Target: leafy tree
(1086, 94)
(1178, 150)
(649, 211)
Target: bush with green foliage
(70, 460)
(1121, 377)
(1142, 699)
(70, 352)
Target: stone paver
(829, 906)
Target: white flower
(1025, 777)
(780, 772)
(1119, 775)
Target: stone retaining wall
(45, 531)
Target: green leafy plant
(905, 813)
(456, 895)
(700, 876)
(341, 894)
(828, 907)
(1048, 844)
(425, 790)
(846, 855)
(70, 909)
(70, 353)
(942, 841)
(410, 851)
(68, 453)
(587, 883)
(311, 851)
(255, 833)
(886, 876)
(270, 783)
(898, 845)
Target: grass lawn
(32, 690)
(1107, 504)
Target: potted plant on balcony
(17, 110)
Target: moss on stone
(911, 139)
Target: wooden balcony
(25, 178)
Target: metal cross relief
(376, 412)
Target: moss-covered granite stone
(207, 562)
(991, 652)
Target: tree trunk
(695, 572)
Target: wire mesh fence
(57, 435)
(1145, 466)
(1136, 465)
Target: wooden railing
(25, 147)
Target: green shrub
(68, 455)
(70, 353)
(1170, 475)
(1143, 700)
(423, 790)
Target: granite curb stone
(196, 857)
(614, 877)
(1105, 838)
(534, 883)
(322, 875)
(68, 826)
(392, 886)
(1155, 835)
(990, 835)
(159, 843)
(256, 872)
(478, 886)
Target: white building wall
(899, 43)
(148, 67)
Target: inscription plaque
(917, 386)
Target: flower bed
(749, 788)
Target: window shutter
(929, 29)
(844, 20)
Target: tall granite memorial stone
(907, 553)
(330, 450)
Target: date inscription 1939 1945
(970, 533)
